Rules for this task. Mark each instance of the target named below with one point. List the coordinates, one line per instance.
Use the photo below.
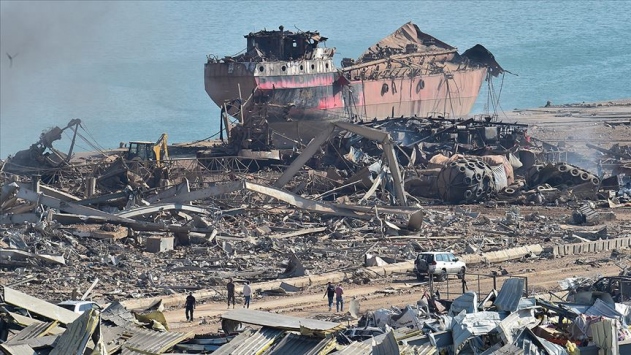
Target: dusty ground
(543, 276)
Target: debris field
(126, 232)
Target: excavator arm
(161, 150)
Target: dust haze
(58, 40)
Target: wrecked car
(609, 289)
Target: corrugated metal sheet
(296, 344)
(508, 349)
(356, 348)
(37, 343)
(388, 346)
(75, 339)
(516, 321)
(499, 173)
(235, 342)
(600, 308)
(252, 344)
(527, 302)
(32, 331)
(277, 320)
(427, 349)
(117, 314)
(510, 294)
(468, 325)
(534, 345)
(414, 341)
(152, 342)
(467, 301)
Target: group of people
(338, 293)
(331, 292)
(191, 303)
(247, 294)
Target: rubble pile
(361, 196)
(590, 321)
(150, 227)
(151, 251)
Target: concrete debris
(358, 203)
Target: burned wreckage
(291, 82)
(285, 90)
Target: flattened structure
(279, 321)
(295, 344)
(150, 342)
(249, 342)
(37, 306)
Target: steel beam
(306, 154)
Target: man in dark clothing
(190, 306)
(330, 292)
(230, 287)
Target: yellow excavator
(149, 151)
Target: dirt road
(543, 276)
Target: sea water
(133, 70)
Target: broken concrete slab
(159, 244)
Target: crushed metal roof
(387, 344)
(531, 344)
(296, 344)
(33, 331)
(508, 349)
(278, 321)
(600, 308)
(117, 314)
(468, 325)
(152, 342)
(249, 342)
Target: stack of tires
(465, 181)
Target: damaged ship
(289, 80)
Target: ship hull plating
(297, 106)
(285, 78)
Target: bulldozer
(149, 152)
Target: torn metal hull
(296, 96)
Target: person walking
(190, 306)
(339, 298)
(230, 287)
(247, 294)
(330, 292)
